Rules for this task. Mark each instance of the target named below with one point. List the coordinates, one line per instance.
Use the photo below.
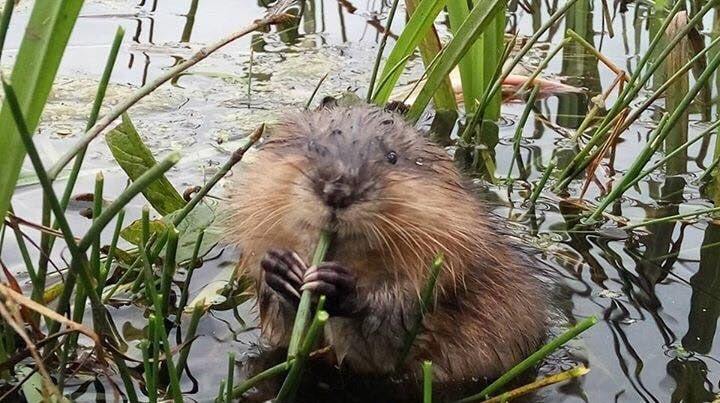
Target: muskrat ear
(328, 102)
(397, 107)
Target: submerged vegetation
(471, 53)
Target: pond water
(656, 293)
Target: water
(656, 293)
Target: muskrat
(394, 200)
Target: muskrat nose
(337, 195)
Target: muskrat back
(394, 200)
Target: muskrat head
(362, 171)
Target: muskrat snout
(337, 195)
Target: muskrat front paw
(337, 283)
(284, 271)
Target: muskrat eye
(392, 157)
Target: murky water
(657, 294)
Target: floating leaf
(135, 159)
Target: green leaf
(135, 159)
(36, 65)
(414, 31)
(465, 36)
(202, 217)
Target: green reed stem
(198, 312)
(47, 242)
(145, 224)
(185, 294)
(80, 263)
(427, 381)
(541, 185)
(508, 68)
(230, 378)
(707, 174)
(672, 154)
(315, 91)
(221, 391)
(78, 311)
(521, 126)
(5, 22)
(156, 244)
(126, 196)
(387, 79)
(172, 371)
(169, 266)
(289, 387)
(663, 132)
(303, 310)
(150, 375)
(266, 374)
(533, 360)
(424, 306)
(111, 251)
(672, 218)
(381, 49)
(633, 87)
(24, 253)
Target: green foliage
(479, 18)
(135, 159)
(34, 71)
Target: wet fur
(490, 309)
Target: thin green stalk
(671, 218)
(672, 154)
(521, 126)
(417, 32)
(111, 251)
(126, 196)
(221, 391)
(79, 263)
(531, 361)
(427, 381)
(315, 91)
(155, 245)
(172, 372)
(661, 90)
(662, 134)
(632, 88)
(97, 210)
(78, 311)
(508, 68)
(289, 387)
(381, 49)
(198, 312)
(145, 224)
(24, 253)
(541, 184)
(153, 336)
(230, 378)
(168, 271)
(150, 375)
(185, 294)
(303, 310)
(470, 65)
(709, 171)
(47, 242)
(266, 374)
(386, 79)
(423, 308)
(5, 22)
(479, 18)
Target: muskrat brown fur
(394, 200)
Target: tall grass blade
(36, 65)
(479, 18)
(413, 33)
